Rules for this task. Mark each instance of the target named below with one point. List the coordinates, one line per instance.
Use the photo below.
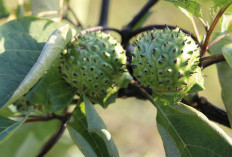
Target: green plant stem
(212, 27)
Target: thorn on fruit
(74, 81)
(180, 75)
(169, 70)
(152, 36)
(174, 50)
(189, 42)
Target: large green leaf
(22, 63)
(8, 127)
(191, 6)
(52, 92)
(89, 132)
(224, 74)
(29, 139)
(188, 133)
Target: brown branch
(208, 109)
(54, 139)
(200, 103)
(209, 60)
(42, 119)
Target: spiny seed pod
(93, 64)
(167, 62)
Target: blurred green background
(132, 122)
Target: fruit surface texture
(167, 62)
(93, 64)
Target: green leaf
(143, 20)
(224, 74)
(188, 133)
(220, 3)
(226, 25)
(227, 53)
(51, 91)
(29, 139)
(191, 6)
(8, 127)
(89, 132)
(22, 63)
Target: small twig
(211, 29)
(69, 20)
(206, 27)
(196, 30)
(209, 60)
(75, 16)
(54, 139)
(47, 118)
(220, 37)
(142, 12)
(103, 21)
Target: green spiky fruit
(167, 62)
(93, 64)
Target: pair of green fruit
(164, 60)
